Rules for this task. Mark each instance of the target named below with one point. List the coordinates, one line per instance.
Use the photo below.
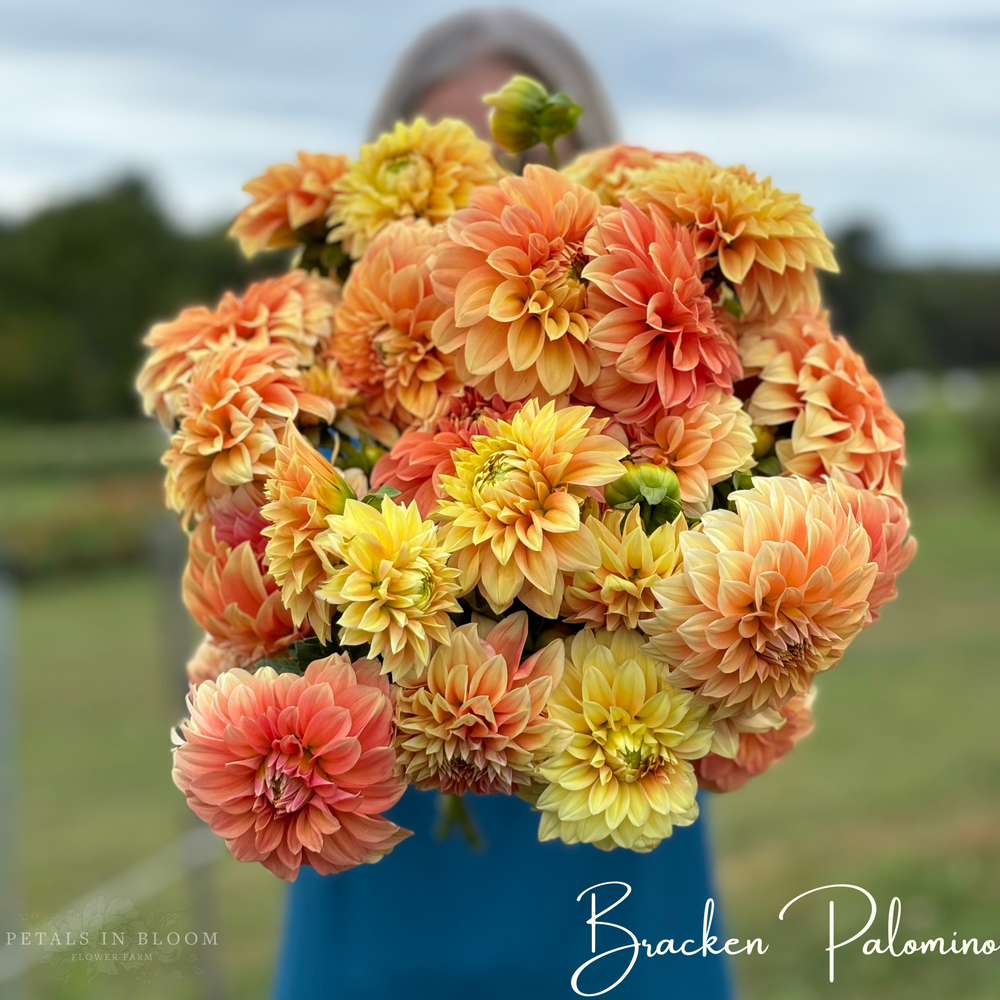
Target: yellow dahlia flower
(394, 588)
(303, 490)
(767, 597)
(766, 241)
(287, 197)
(476, 721)
(703, 443)
(382, 339)
(511, 511)
(626, 778)
(619, 592)
(416, 170)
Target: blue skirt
(437, 919)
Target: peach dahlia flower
(511, 513)
(767, 596)
(417, 170)
(620, 591)
(293, 770)
(295, 309)
(703, 443)
(287, 197)
(235, 405)
(475, 721)
(606, 171)
(659, 337)
(232, 596)
(626, 778)
(766, 242)
(382, 340)
(211, 659)
(303, 490)
(758, 748)
(510, 270)
(391, 582)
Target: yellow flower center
(494, 471)
(409, 177)
(629, 751)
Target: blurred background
(128, 130)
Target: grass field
(896, 791)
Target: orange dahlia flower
(659, 337)
(703, 443)
(415, 171)
(420, 458)
(382, 340)
(766, 242)
(475, 721)
(211, 659)
(758, 749)
(287, 197)
(232, 596)
(606, 171)
(293, 770)
(511, 513)
(510, 270)
(295, 309)
(767, 597)
(843, 426)
(303, 490)
(236, 403)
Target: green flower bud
(643, 481)
(525, 114)
(763, 440)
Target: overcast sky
(887, 110)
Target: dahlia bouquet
(552, 483)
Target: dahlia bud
(525, 114)
(643, 481)
(763, 441)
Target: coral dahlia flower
(626, 779)
(606, 171)
(232, 596)
(394, 587)
(758, 748)
(287, 197)
(511, 513)
(475, 721)
(843, 427)
(295, 309)
(417, 170)
(211, 659)
(236, 403)
(303, 490)
(767, 597)
(620, 591)
(382, 340)
(659, 338)
(765, 241)
(511, 271)
(293, 770)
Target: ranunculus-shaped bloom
(620, 591)
(511, 271)
(233, 598)
(294, 770)
(766, 241)
(843, 427)
(703, 443)
(606, 171)
(758, 748)
(476, 721)
(287, 197)
(237, 401)
(626, 778)
(415, 171)
(659, 337)
(303, 490)
(767, 597)
(394, 586)
(382, 338)
(420, 458)
(295, 309)
(211, 659)
(885, 519)
(512, 510)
